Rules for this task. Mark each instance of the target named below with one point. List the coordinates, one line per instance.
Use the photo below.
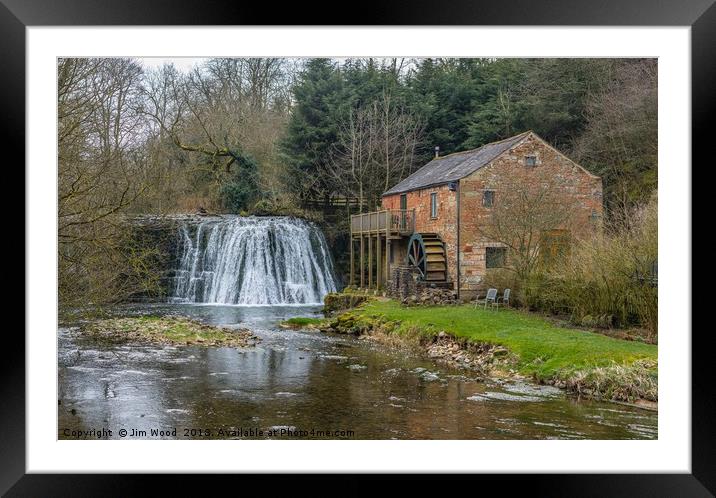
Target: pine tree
(319, 100)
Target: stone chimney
(437, 151)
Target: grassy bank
(581, 361)
(165, 330)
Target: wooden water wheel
(426, 252)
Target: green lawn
(543, 348)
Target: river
(306, 384)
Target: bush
(264, 207)
(610, 276)
(604, 282)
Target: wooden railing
(392, 221)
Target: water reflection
(311, 381)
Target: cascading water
(253, 261)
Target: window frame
(527, 161)
(501, 249)
(492, 198)
(433, 205)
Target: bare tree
(222, 112)
(101, 162)
(100, 133)
(620, 138)
(351, 164)
(524, 212)
(376, 148)
(400, 134)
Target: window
(488, 198)
(403, 210)
(495, 257)
(434, 205)
(531, 161)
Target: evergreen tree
(366, 82)
(497, 109)
(241, 190)
(443, 93)
(320, 99)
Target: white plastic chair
(505, 299)
(490, 298)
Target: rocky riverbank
(482, 358)
(166, 330)
(591, 373)
(337, 302)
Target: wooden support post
(360, 267)
(387, 248)
(352, 280)
(378, 265)
(370, 260)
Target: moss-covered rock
(166, 330)
(342, 301)
(349, 323)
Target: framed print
(417, 242)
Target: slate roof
(455, 166)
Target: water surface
(311, 385)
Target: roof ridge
(455, 165)
(483, 145)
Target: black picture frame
(700, 15)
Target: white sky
(181, 63)
(184, 64)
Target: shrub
(608, 278)
(605, 281)
(264, 207)
(503, 278)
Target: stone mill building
(432, 222)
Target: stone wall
(405, 286)
(581, 191)
(403, 282)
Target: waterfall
(252, 261)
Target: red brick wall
(581, 190)
(445, 224)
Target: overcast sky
(185, 64)
(181, 63)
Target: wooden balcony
(374, 233)
(393, 223)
